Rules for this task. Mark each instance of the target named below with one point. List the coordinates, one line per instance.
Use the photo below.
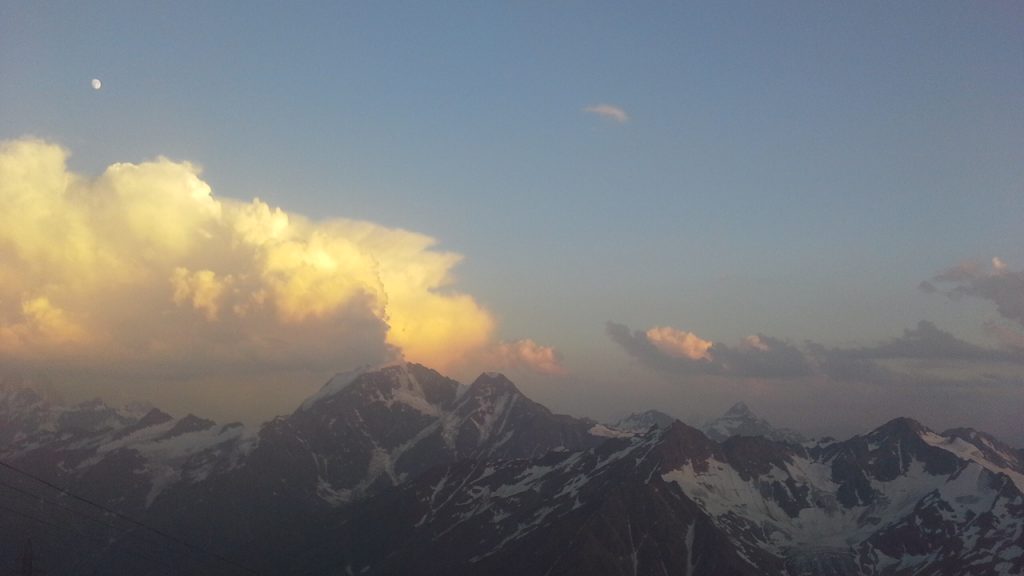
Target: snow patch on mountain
(641, 422)
(341, 380)
(410, 393)
(968, 451)
(173, 459)
(734, 502)
(605, 431)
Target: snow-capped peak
(740, 409)
(740, 420)
(492, 382)
(640, 422)
(341, 380)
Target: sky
(813, 208)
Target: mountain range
(401, 470)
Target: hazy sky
(817, 208)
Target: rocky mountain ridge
(400, 470)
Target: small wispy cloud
(608, 111)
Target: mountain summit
(644, 421)
(740, 420)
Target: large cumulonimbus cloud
(144, 267)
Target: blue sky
(792, 169)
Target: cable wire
(130, 520)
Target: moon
(96, 84)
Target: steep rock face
(599, 511)
(190, 423)
(339, 446)
(361, 435)
(392, 424)
(351, 441)
(883, 455)
(494, 419)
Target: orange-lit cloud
(40, 323)
(679, 343)
(144, 264)
(529, 355)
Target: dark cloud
(1001, 286)
(851, 366)
(841, 366)
(928, 341)
(925, 342)
(762, 357)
